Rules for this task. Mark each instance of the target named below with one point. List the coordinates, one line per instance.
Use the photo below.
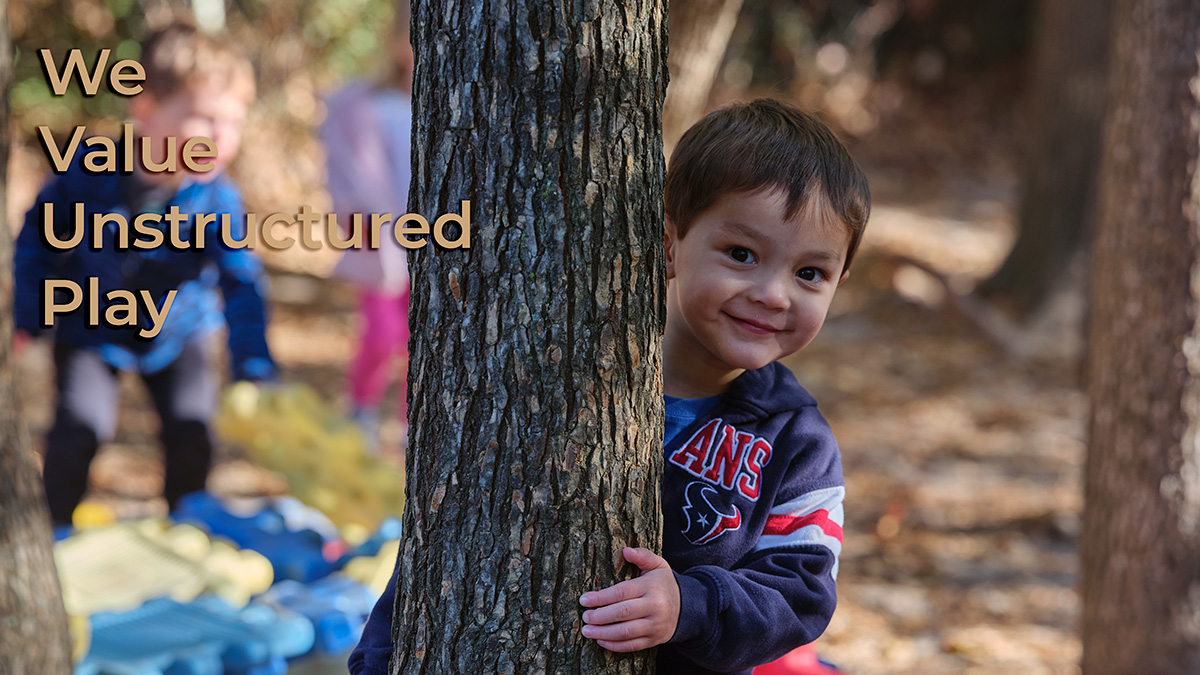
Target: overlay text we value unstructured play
(177, 229)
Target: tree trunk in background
(33, 623)
(1069, 68)
(1141, 526)
(699, 35)
(536, 355)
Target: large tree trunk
(535, 375)
(700, 32)
(1141, 533)
(33, 623)
(1059, 175)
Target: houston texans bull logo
(705, 520)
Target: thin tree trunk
(1067, 108)
(535, 374)
(700, 32)
(33, 623)
(1141, 559)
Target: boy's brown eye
(741, 255)
(810, 274)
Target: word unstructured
(410, 230)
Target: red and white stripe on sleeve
(812, 518)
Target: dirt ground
(963, 471)
(962, 458)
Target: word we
(104, 158)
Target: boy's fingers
(620, 632)
(627, 610)
(644, 558)
(626, 646)
(626, 590)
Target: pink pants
(384, 335)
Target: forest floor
(962, 459)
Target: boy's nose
(771, 292)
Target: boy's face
(748, 287)
(198, 110)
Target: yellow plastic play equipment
(375, 571)
(81, 636)
(290, 430)
(119, 567)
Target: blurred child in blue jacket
(196, 86)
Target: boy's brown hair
(764, 144)
(179, 55)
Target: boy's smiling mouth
(756, 327)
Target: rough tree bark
(33, 623)
(535, 373)
(1069, 67)
(1141, 528)
(700, 32)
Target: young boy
(765, 209)
(195, 85)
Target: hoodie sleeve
(374, 649)
(243, 288)
(782, 594)
(730, 620)
(34, 260)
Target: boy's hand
(635, 614)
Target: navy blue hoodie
(752, 526)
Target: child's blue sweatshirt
(752, 526)
(195, 274)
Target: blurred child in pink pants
(367, 136)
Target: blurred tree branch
(699, 32)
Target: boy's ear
(669, 241)
(845, 276)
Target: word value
(122, 309)
(104, 158)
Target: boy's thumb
(644, 558)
